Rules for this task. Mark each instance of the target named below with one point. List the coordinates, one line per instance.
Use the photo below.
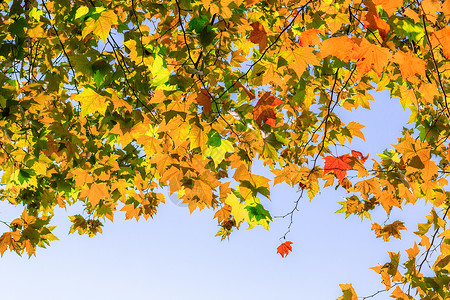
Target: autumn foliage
(103, 103)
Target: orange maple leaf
(258, 36)
(389, 6)
(264, 110)
(341, 47)
(131, 212)
(284, 248)
(309, 37)
(204, 99)
(223, 213)
(82, 176)
(371, 57)
(410, 65)
(251, 2)
(448, 155)
(97, 192)
(338, 165)
(399, 294)
(442, 37)
(348, 291)
(412, 252)
(373, 20)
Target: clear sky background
(177, 256)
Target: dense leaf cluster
(103, 102)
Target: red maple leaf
(338, 165)
(284, 248)
(359, 155)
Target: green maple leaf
(214, 139)
(25, 174)
(258, 212)
(198, 24)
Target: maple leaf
(264, 111)
(442, 37)
(338, 165)
(301, 58)
(218, 153)
(371, 57)
(82, 177)
(399, 294)
(348, 291)
(389, 230)
(237, 209)
(203, 191)
(412, 252)
(258, 36)
(341, 47)
(249, 93)
(9, 240)
(91, 102)
(284, 248)
(430, 9)
(360, 156)
(251, 2)
(204, 99)
(97, 192)
(131, 212)
(390, 6)
(388, 200)
(310, 37)
(223, 213)
(373, 20)
(410, 65)
(101, 26)
(258, 212)
(446, 9)
(355, 129)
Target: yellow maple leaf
(91, 102)
(301, 58)
(102, 26)
(355, 129)
(237, 208)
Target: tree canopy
(105, 102)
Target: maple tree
(102, 103)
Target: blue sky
(177, 256)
